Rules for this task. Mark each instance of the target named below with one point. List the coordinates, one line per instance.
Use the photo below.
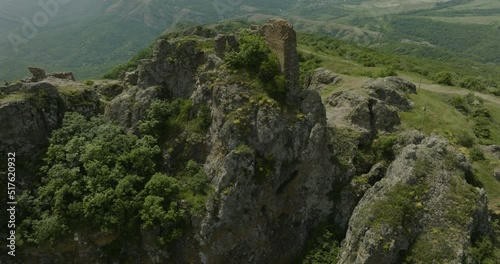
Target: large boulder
(392, 90)
(365, 114)
(320, 78)
(38, 74)
(371, 109)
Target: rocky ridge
(277, 170)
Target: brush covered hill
(101, 34)
(255, 146)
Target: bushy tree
(444, 77)
(472, 83)
(256, 58)
(159, 210)
(253, 52)
(95, 174)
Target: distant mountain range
(90, 37)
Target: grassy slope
(439, 117)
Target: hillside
(230, 143)
(463, 32)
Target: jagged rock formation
(129, 107)
(269, 173)
(393, 91)
(27, 123)
(40, 75)
(225, 43)
(372, 109)
(423, 210)
(320, 78)
(30, 111)
(108, 89)
(173, 66)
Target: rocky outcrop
(320, 78)
(271, 175)
(493, 150)
(11, 88)
(393, 91)
(62, 75)
(282, 39)
(423, 210)
(274, 167)
(225, 43)
(109, 89)
(40, 75)
(364, 114)
(130, 107)
(372, 109)
(131, 77)
(270, 172)
(28, 121)
(173, 65)
(31, 111)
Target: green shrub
(476, 153)
(94, 173)
(383, 147)
(253, 52)
(480, 128)
(256, 58)
(444, 77)
(465, 139)
(270, 68)
(472, 83)
(388, 71)
(459, 103)
(483, 250)
(322, 248)
(165, 118)
(89, 83)
(481, 113)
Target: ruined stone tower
(282, 39)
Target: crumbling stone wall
(282, 39)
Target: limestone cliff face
(271, 175)
(423, 210)
(173, 65)
(29, 112)
(27, 122)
